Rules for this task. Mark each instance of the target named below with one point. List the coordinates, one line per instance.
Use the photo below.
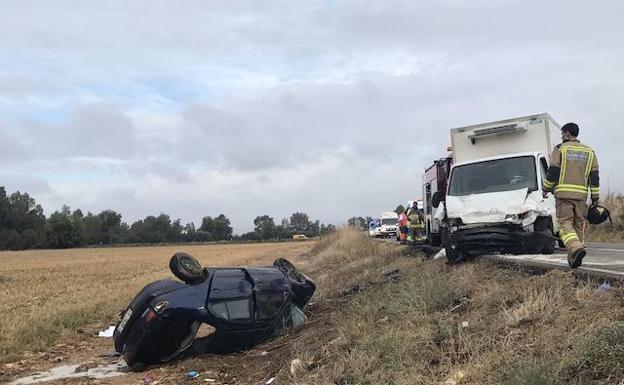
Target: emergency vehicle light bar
(484, 132)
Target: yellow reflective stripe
(571, 188)
(577, 148)
(590, 160)
(564, 163)
(570, 237)
(548, 184)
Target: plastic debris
(465, 324)
(108, 333)
(603, 288)
(192, 374)
(297, 367)
(392, 276)
(441, 254)
(270, 381)
(149, 378)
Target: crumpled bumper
(508, 239)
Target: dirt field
(46, 295)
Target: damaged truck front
(494, 201)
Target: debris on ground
(270, 381)
(192, 374)
(441, 254)
(465, 324)
(603, 288)
(392, 276)
(148, 379)
(107, 333)
(355, 289)
(297, 367)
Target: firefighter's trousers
(571, 214)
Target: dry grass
(474, 323)
(45, 294)
(608, 232)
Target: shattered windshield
(493, 176)
(389, 221)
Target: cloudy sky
(333, 108)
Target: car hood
(490, 207)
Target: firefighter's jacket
(573, 172)
(414, 218)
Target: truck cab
(389, 224)
(494, 200)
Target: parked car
(240, 306)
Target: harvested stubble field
(48, 294)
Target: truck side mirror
(435, 199)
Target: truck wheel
(186, 268)
(544, 226)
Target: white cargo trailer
(494, 200)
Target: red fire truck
(435, 182)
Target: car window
(270, 303)
(235, 310)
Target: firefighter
(416, 223)
(572, 173)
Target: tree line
(23, 225)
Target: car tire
(186, 268)
(302, 286)
(544, 226)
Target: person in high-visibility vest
(416, 224)
(573, 172)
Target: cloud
(252, 108)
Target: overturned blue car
(212, 310)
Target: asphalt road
(603, 259)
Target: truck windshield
(389, 221)
(493, 176)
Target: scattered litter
(460, 303)
(355, 289)
(297, 367)
(441, 254)
(108, 333)
(263, 353)
(270, 381)
(392, 276)
(192, 374)
(149, 378)
(603, 288)
(465, 324)
(209, 380)
(382, 320)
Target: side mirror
(435, 199)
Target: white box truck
(494, 199)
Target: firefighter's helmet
(598, 214)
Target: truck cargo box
(532, 133)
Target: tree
(300, 222)
(64, 230)
(207, 225)
(222, 228)
(111, 226)
(265, 227)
